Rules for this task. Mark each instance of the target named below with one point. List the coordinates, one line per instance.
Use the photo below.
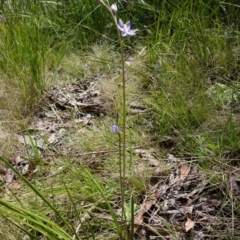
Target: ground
(175, 199)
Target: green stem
(120, 173)
(123, 125)
(122, 155)
(122, 152)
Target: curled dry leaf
(189, 224)
(184, 171)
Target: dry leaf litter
(186, 206)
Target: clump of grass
(23, 61)
(189, 57)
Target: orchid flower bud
(114, 128)
(114, 8)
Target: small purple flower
(114, 128)
(125, 28)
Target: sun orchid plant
(124, 30)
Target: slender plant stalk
(123, 127)
(122, 151)
(122, 30)
(120, 173)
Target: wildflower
(114, 8)
(114, 128)
(125, 28)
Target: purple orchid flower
(125, 28)
(114, 128)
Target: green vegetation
(182, 66)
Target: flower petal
(120, 28)
(128, 24)
(132, 32)
(120, 23)
(125, 29)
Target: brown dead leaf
(188, 215)
(188, 210)
(184, 171)
(189, 224)
(203, 221)
(138, 219)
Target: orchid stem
(122, 154)
(122, 141)
(123, 127)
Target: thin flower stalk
(123, 29)
(122, 155)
